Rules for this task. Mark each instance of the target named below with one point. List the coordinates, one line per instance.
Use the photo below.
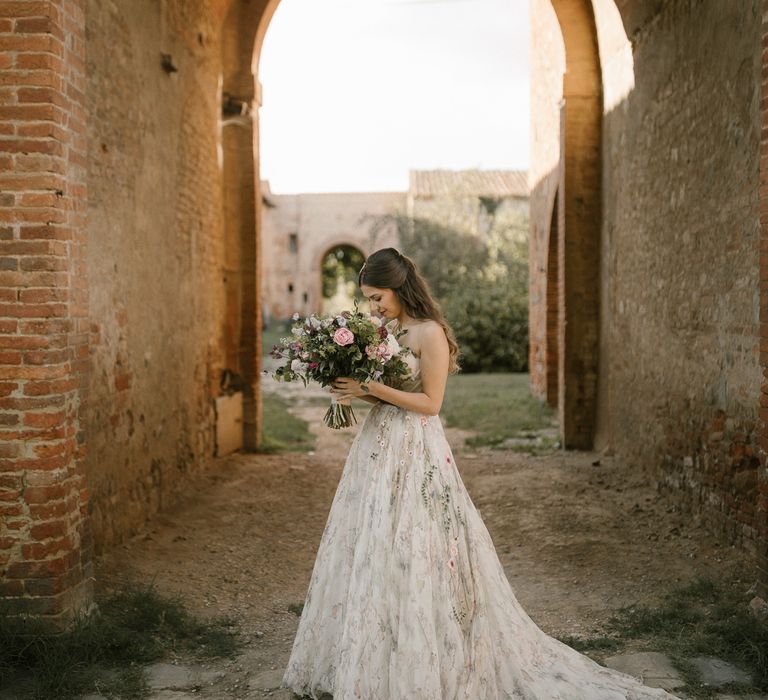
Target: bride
(408, 599)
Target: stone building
(467, 200)
(130, 206)
(299, 230)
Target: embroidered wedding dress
(408, 599)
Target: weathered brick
(55, 566)
(38, 25)
(49, 529)
(43, 294)
(45, 494)
(45, 420)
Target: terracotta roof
(489, 183)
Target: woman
(408, 599)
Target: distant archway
(339, 267)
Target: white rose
(298, 366)
(341, 321)
(316, 324)
(376, 321)
(393, 345)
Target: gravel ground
(579, 536)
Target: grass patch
(591, 643)
(497, 406)
(700, 618)
(105, 652)
(271, 336)
(283, 432)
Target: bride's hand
(345, 387)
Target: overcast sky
(356, 92)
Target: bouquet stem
(339, 414)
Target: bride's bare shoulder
(427, 323)
(430, 329)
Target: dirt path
(578, 535)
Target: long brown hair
(388, 268)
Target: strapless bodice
(412, 381)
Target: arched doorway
(338, 271)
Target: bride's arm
(435, 357)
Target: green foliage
(480, 282)
(105, 651)
(490, 321)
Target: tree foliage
(481, 283)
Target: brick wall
(112, 354)
(157, 256)
(45, 541)
(680, 273)
(679, 358)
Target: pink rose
(383, 351)
(343, 336)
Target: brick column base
(45, 543)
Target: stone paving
(179, 682)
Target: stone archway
(579, 222)
(47, 559)
(45, 553)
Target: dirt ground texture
(578, 534)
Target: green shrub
(480, 282)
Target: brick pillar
(762, 504)
(243, 209)
(45, 543)
(579, 233)
(552, 305)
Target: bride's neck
(404, 324)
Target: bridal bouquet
(353, 344)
